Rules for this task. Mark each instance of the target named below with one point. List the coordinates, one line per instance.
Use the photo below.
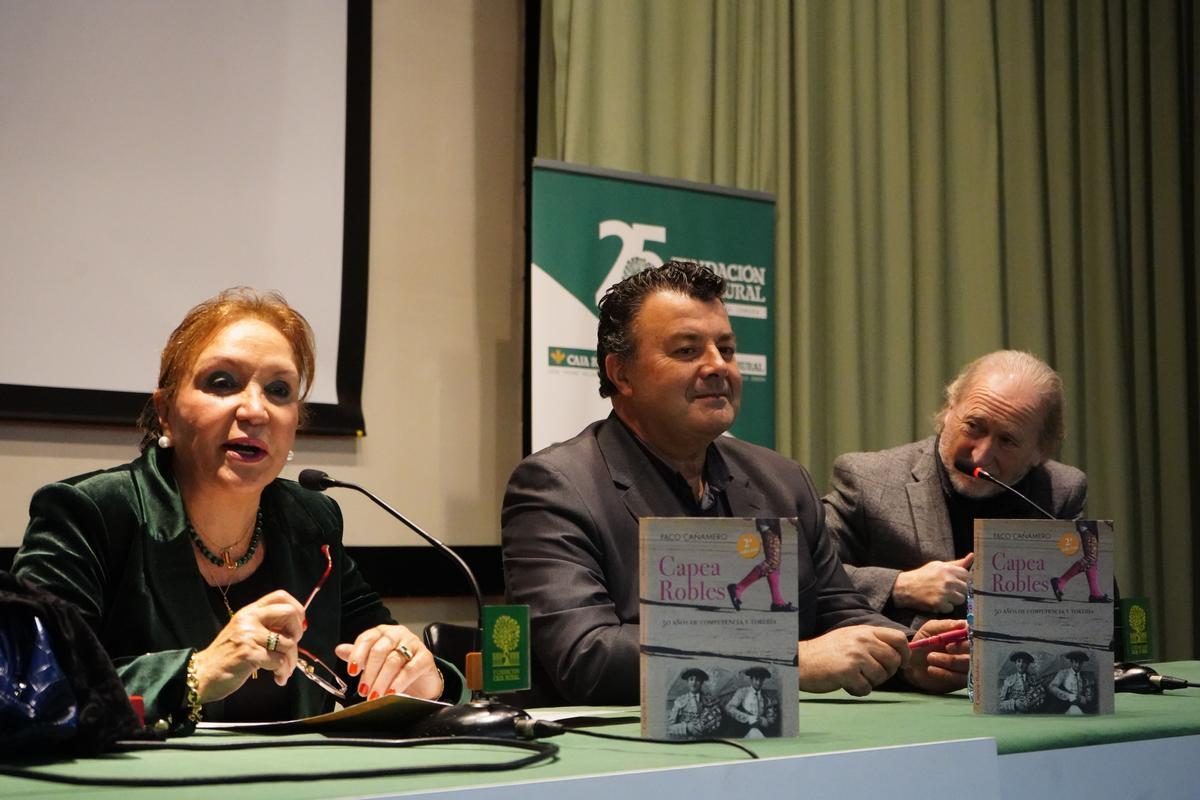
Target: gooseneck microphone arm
(967, 468)
(319, 481)
(481, 716)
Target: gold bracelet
(193, 691)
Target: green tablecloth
(828, 723)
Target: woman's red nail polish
(362, 689)
(390, 691)
(373, 695)
(353, 668)
(304, 624)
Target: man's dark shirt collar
(964, 510)
(715, 502)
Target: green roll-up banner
(590, 228)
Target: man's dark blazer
(887, 513)
(570, 548)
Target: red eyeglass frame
(337, 687)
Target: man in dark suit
(903, 518)
(571, 511)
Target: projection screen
(154, 152)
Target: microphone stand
(979, 472)
(481, 715)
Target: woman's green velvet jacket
(115, 544)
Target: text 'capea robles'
(719, 627)
(1041, 616)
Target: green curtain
(951, 178)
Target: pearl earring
(164, 441)
(291, 455)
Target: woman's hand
(389, 659)
(244, 645)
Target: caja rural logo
(573, 357)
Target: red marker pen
(956, 635)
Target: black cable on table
(536, 729)
(541, 751)
(531, 730)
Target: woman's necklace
(224, 590)
(225, 559)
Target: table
(848, 747)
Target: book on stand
(1041, 615)
(719, 627)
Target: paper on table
(388, 714)
(566, 713)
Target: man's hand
(936, 587)
(856, 659)
(941, 670)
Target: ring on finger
(403, 650)
(272, 641)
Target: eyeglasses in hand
(309, 665)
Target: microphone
(966, 467)
(317, 480)
(481, 716)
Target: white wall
(442, 389)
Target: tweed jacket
(887, 514)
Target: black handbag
(59, 691)
(37, 705)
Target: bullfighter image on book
(753, 709)
(695, 713)
(1074, 686)
(1022, 692)
(1088, 564)
(772, 547)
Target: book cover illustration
(1041, 617)
(719, 627)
